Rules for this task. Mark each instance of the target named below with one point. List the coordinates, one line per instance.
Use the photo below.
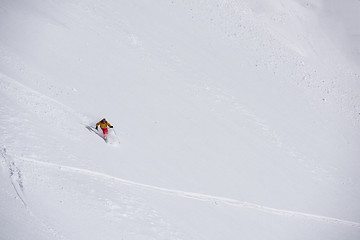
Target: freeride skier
(103, 125)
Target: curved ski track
(29, 96)
(196, 196)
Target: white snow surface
(232, 119)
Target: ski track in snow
(15, 175)
(50, 106)
(16, 179)
(196, 196)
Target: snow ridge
(43, 105)
(196, 196)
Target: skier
(103, 125)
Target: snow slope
(236, 119)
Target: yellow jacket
(103, 125)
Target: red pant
(105, 131)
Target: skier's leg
(105, 131)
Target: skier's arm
(97, 125)
(109, 125)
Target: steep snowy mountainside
(237, 119)
(341, 21)
(324, 29)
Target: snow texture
(232, 120)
